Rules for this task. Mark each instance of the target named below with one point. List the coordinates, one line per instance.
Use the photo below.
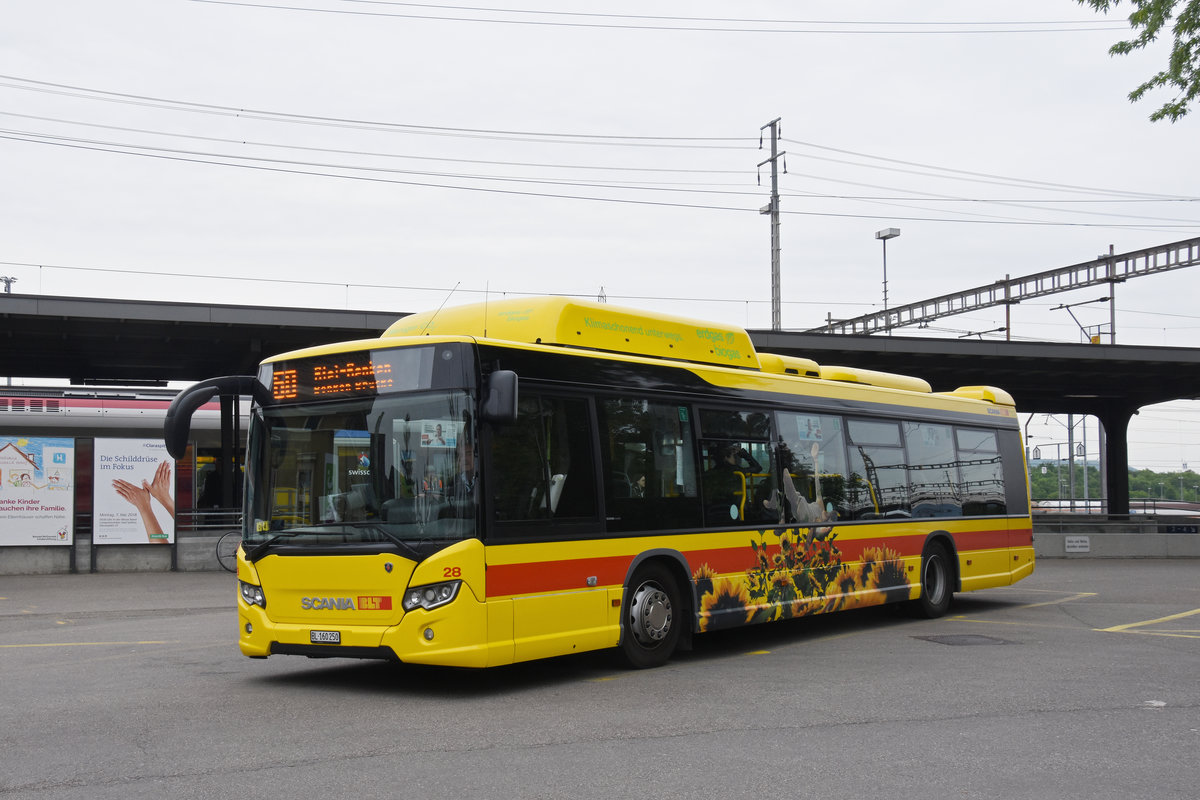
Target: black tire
(937, 583)
(227, 547)
(651, 617)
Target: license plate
(325, 637)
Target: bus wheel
(650, 617)
(936, 591)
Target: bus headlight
(253, 594)
(431, 596)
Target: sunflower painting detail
(804, 574)
(728, 605)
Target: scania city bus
(528, 478)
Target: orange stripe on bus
(504, 580)
(555, 576)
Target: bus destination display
(333, 380)
(364, 373)
(346, 374)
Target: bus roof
(567, 322)
(594, 326)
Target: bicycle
(227, 548)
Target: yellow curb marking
(1079, 596)
(1128, 627)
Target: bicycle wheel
(227, 547)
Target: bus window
(542, 464)
(812, 456)
(878, 480)
(738, 483)
(982, 472)
(649, 466)
(933, 470)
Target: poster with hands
(133, 492)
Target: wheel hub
(650, 614)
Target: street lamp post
(884, 235)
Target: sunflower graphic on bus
(797, 572)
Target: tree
(1183, 67)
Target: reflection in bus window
(649, 465)
(366, 462)
(933, 470)
(878, 481)
(738, 483)
(542, 464)
(812, 454)
(982, 472)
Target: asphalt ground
(1081, 682)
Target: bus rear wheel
(650, 617)
(936, 587)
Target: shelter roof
(122, 341)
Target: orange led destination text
(351, 377)
(284, 385)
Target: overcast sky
(380, 155)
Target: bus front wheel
(650, 617)
(936, 587)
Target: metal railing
(206, 521)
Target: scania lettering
(324, 603)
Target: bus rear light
(431, 596)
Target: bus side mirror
(500, 399)
(178, 422)
(177, 425)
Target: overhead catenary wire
(908, 203)
(371, 153)
(294, 168)
(872, 161)
(924, 196)
(926, 170)
(849, 27)
(405, 287)
(975, 177)
(541, 137)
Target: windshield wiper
(254, 553)
(381, 530)
(259, 550)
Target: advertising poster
(439, 434)
(133, 500)
(37, 490)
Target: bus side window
(879, 480)
(982, 472)
(738, 481)
(812, 456)
(933, 470)
(541, 465)
(649, 465)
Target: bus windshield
(392, 470)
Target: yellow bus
(529, 478)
